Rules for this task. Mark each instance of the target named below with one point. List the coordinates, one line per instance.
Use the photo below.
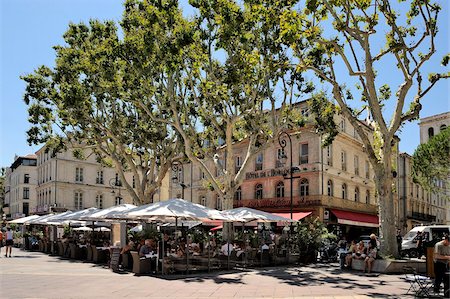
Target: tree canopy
(431, 162)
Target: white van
(430, 233)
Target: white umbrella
(245, 214)
(97, 229)
(48, 219)
(77, 215)
(173, 209)
(24, 219)
(105, 213)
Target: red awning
(355, 218)
(212, 222)
(295, 216)
(216, 228)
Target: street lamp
(176, 168)
(282, 137)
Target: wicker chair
(140, 266)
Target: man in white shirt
(226, 249)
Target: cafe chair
(140, 266)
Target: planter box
(391, 266)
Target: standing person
(441, 262)
(9, 241)
(419, 244)
(1, 240)
(399, 242)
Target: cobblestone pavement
(37, 275)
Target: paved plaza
(38, 275)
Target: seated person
(145, 249)
(370, 258)
(226, 249)
(361, 251)
(265, 247)
(350, 253)
(180, 250)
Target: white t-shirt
(9, 235)
(227, 249)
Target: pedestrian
(441, 262)
(9, 241)
(399, 242)
(419, 244)
(1, 240)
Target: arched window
(304, 187)
(279, 190)
(203, 200)
(238, 194)
(367, 197)
(344, 191)
(442, 127)
(330, 188)
(430, 132)
(259, 191)
(218, 203)
(356, 194)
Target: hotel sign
(267, 173)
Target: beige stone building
(20, 186)
(67, 183)
(430, 126)
(417, 206)
(333, 183)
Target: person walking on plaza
(1, 240)
(399, 242)
(441, 262)
(419, 244)
(9, 241)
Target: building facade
(416, 205)
(67, 183)
(333, 183)
(430, 126)
(20, 186)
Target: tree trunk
(228, 229)
(383, 182)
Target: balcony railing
(422, 217)
(305, 201)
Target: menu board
(115, 257)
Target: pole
(282, 137)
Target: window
(330, 188)
(430, 132)
(78, 200)
(356, 164)
(238, 194)
(117, 180)
(202, 175)
(26, 208)
(134, 182)
(259, 191)
(344, 191)
(367, 197)
(259, 162)
(281, 158)
(203, 200)
(417, 191)
(356, 194)
(99, 201)
(237, 163)
(344, 161)
(279, 190)
(304, 187)
(99, 179)
(218, 203)
(442, 128)
(305, 112)
(26, 193)
(329, 155)
(26, 178)
(367, 169)
(118, 200)
(304, 153)
(342, 125)
(79, 175)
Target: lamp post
(176, 168)
(114, 183)
(282, 140)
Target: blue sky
(29, 29)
